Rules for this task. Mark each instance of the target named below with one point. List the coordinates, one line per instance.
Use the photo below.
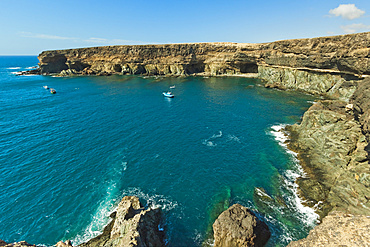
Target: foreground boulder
(338, 229)
(238, 226)
(132, 225)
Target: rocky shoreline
(332, 140)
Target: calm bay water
(67, 159)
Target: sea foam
(305, 214)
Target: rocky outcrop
(132, 225)
(238, 226)
(17, 244)
(332, 145)
(338, 229)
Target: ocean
(67, 159)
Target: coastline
(332, 140)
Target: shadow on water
(220, 202)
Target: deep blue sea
(66, 160)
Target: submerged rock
(338, 229)
(238, 226)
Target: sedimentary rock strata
(238, 226)
(329, 66)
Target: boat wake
(210, 141)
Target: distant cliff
(337, 54)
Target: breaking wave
(306, 215)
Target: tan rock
(238, 226)
(338, 229)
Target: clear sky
(28, 27)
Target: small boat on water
(168, 95)
(46, 87)
(172, 87)
(53, 91)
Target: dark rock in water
(238, 226)
(338, 229)
(132, 225)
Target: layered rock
(339, 55)
(238, 226)
(338, 229)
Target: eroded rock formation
(238, 226)
(131, 225)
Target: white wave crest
(233, 138)
(208, 142)
(152, 200)
(13, 68)
(282, 137)
(16, 73)
(100, 218)
(306, 214)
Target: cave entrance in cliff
(248, 68)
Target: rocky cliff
(332, 142)
(329, 66)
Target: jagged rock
(361, 102)
(238, 226)
(132, 225)
(331, 146)
(338, 229)
(17, 244)
(67, 243)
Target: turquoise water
(67, 159)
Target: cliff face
(328, 66)
(346, 54)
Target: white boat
(46, 87)
(172, 87)
(168, 95)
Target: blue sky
(29, 27)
